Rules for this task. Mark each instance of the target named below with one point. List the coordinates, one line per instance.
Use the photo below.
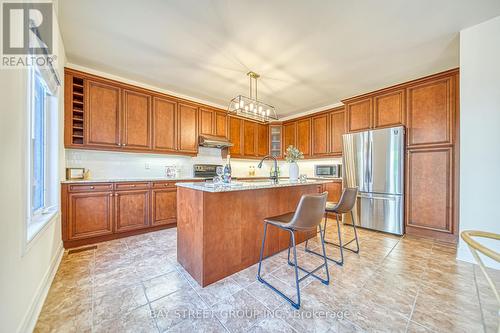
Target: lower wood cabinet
(164, 206)
(334, 191)
(96, 212)
(131, 210)
(431, 193)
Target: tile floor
(394, 285)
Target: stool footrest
(344, 246)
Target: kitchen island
(219, 229)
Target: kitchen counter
(219, 231)
(132, 179)
(248, 185)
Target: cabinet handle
(166, 184)
(133, 185)
(111, 195)
(116, 194)
(124, 144)
(118, 144)
(92, 187)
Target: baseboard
(31, 317)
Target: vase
(293, 171)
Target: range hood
(213, 141)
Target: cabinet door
(304, 136)
(334, 191)
(220, 124)
(103, 115)
(136, 120)
(337, 129)
(187, 128)
(359, 115)
(320, 135)
(236, 136)
(431, 113)
(131, 210)
(263, 140)
(389, 109)
(90, 214)
(249, 138)
(164, 206)
(276, 140)
(206, 121)
(429, 189)
(289, 135)
(164, 124)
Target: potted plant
(292, 155)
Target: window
(42, 152)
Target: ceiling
(309, 54)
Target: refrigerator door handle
(377, 197)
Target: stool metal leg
(296, 267)
(349, 242)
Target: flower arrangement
(293, 154)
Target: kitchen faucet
(274, 177)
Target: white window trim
(35, 224)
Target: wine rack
(77, 111)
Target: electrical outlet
(147, 166)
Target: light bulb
(246, 107)
(255, 111)
(268, 112)
(260, 108)
(236, 106)
(251, 106)
(242, 103)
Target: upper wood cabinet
(187, 128)
(304, 136)
(212, 122)
(289, 135)
(262, 140)
(359, 114)
(389, 109)
(431, 112)
(164, 124)
(103, 115)
(337, 129)
(136, 132)
(430, 189)
(220, 124)
(320, 135)
(249, 138)
(236, 136)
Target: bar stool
(345, 205)
(308, 216)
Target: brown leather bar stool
(344, 206)
(307, 217)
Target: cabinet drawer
(164, 184)
(91, 187)
(131, 186)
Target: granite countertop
(247, 185)
(131, 179)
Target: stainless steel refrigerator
(374, 163)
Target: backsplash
(109, 165)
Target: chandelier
(251, 107)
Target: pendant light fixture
(251, 107)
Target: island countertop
(248, 185)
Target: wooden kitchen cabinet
(220, 124)
(430, 192)
(236, 136)
(431, 112)
(262, 140)
(212, 122)
(131, 210)
(334, 191)
(164, 206)
(88, 214)
(389, 109)
(359, 114)
(249, 138)
(164, 125)
(337, 129)
(304, 136)
(136, 111)
(320, 135)
(289, 135)
(103, 115)
(187, 128)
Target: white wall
(24, 274)
(479, 132)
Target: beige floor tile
(267, 296)
(272, 325)
(199, 325)
(163, 285)
(112, 303)
(217, 291)
(136, 321)
(239, 311)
